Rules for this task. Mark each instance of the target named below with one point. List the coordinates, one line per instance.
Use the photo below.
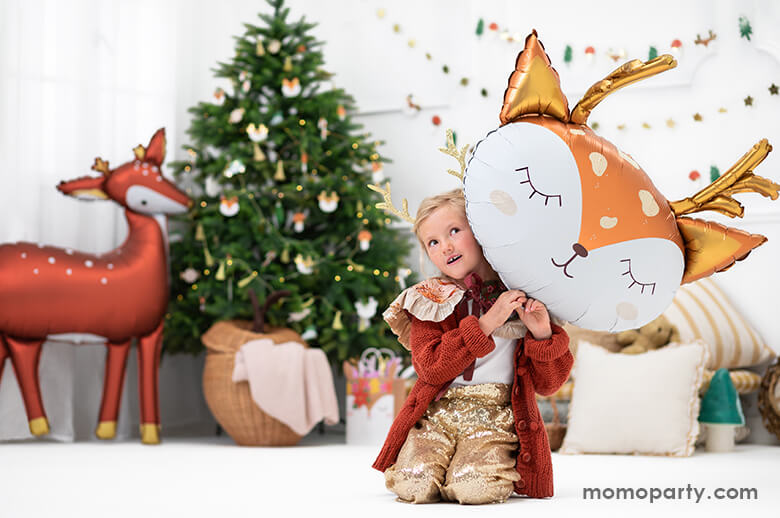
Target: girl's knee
(476, 488)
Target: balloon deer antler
(452, 151)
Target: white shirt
(496, 367)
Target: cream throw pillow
(702, 310)
(646, 403)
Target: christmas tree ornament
(697, 117)
(304, 162)
(202, 304)
(220, 275)
(243, 78)
(721, 412)
(288, 66)
(310, 333)
(190, 275)
(279, 174)
(773, 89)
(200, 234)
(322, 124)
(652, 53)
(403, 273)
(260, 49)
(279, 213)
(745, 30)
(493, 26)
(257, 133)
(269, 257)
(219, 97)
(337, 325)
(609, 239)
(364, 238)
(274, 46)
(119, 295)
(243, 283)
(297, 316)
(480, 27)
(676, 46)
(285, 257)
(341, 112)
(366, 311)
(291, 87)
(377, 172)
(228, 207)
(257, 153)
(705, 41)
(299, 219)
(272, 155)
(694, 175)
(590, 53)
(714, 173)
(233, 168)
(748, 101)
(300, 49)
(567, 54)
(236, 116)
(212, 187)
(328, 202)
(436, 120)
(616, 55)
(670, 123)
(294, 111)
(304, 265)
(722, 110)
(276, 119)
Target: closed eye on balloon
(534, 190)
(634, 281)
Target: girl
(470, 430)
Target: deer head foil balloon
(566, 216)
(118, 295)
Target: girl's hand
(536, 318)
(501, 310)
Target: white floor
(210, 477)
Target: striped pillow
(702, 310)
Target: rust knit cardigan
(441, 351)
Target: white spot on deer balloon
(52, 260)
(598, 162)
(103, 280)
(145, 172)
(159, 178)
(628, 159)
(35, 271)
(110, 266)
(148, 201)
(155, 168)
(68, 272)
(649, 205)
(88, 263)
(69, 251)
(627, 311)
(607, 222)
(503, 202)
(24, 255)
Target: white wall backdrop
(82, 78)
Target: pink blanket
(288, 382)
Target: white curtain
(80, 79)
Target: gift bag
(375, 394)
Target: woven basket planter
(768, 400)
(555, 430)
(230, 402)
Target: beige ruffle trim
(434, 300)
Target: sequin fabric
(463, 449)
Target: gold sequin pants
(463, 449)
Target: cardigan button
(521, 483)
(522, 371)
(534, 426)
(516, 390)
(522, 425)
(525, 457)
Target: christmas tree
(278, 171)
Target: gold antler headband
(450, 150)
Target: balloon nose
(580, 250)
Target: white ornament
(310, 333)
(246, 86)
(189, 275)
(328, 202)
(235, 167)
(365, 311)
(213, 188)
(257, 133)
(236, 116)
(274, 46)
(297, 316)
(322, 124)
(276, 119)
(377, 172)
(304, 266)
(299, 219)
(219, 97)
(403, 273)
(291, 87)
(228, 207)
(293, 110)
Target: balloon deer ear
(711, 247)
(155, 151)
(534, 87)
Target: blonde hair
(428, 206)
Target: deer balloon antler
(460, 156)
(388, 203)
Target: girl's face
(450, 244)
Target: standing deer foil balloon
(564, 215)
(118, 295)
